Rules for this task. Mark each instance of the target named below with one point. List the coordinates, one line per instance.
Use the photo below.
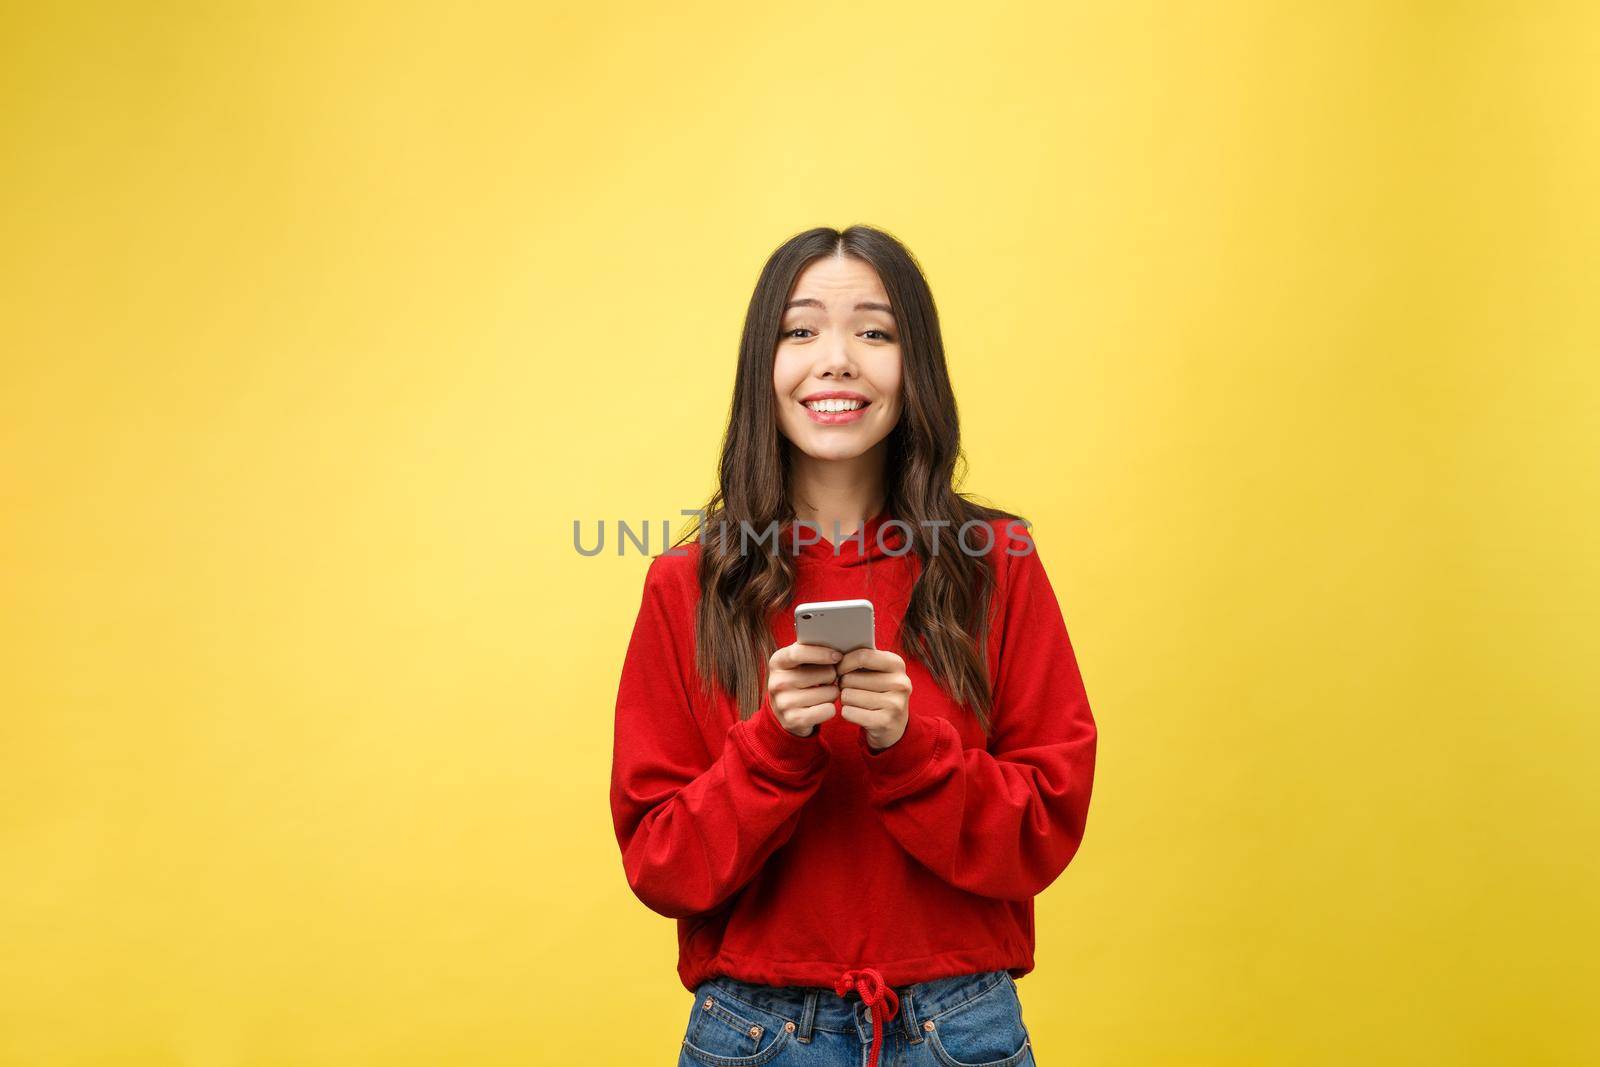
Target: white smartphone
(845, 625)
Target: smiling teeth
(834, 405)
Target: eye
(885, 336)
(797, 329)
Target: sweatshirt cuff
(906, 759)
(778, 748)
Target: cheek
(787, 374)
(888, 382)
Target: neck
(846, 491)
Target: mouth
(835, 408)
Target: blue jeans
(972, 1020)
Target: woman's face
(837, 370)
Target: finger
(797, 655)
(803, 721)
(801, 678)
(817, 713)
(877, 681)
(871, 659)
(866, 718)
(867, 698)
(790, 699)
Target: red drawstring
(875, 994)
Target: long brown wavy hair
(946, 622)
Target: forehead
(839, 282)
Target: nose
(836, 361)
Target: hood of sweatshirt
(881, 536)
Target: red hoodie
(816, 860)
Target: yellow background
(323, 323)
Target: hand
(875, 693)
(802, 684)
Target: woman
(850, 843)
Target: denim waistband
(814, 1007)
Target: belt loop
(808, 1016)
(908, 1018)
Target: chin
(835, 454)
(832, 449)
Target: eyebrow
(865, 305)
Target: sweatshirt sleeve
(1003, 821)
(694, 828)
